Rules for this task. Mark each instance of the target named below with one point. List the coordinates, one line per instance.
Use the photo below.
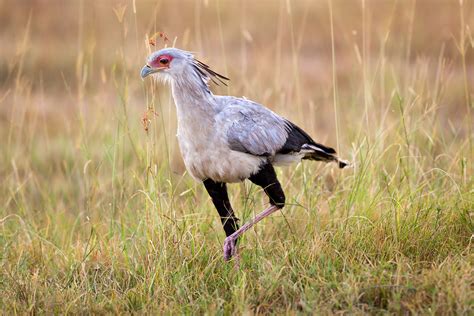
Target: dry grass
(98, 215)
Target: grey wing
(253, 129)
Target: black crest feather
(206, 72)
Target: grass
(98, 215)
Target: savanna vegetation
(97, 213)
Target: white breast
(207, 155)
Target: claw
(229, 248)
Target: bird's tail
(320, 152)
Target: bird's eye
(164, 61)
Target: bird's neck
(192, 98)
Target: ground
(97, 214)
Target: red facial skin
(158, 62)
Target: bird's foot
(230, 248)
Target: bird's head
(166, 62)
(172, 63)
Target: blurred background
(92, 181)
(62, 63)
(352, 73)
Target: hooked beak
(147, 70)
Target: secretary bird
(224, 139)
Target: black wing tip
(329, 150)
(295, 130)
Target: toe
(229, 248)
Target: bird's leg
(267, 179)
(220, 198)
(230, 248)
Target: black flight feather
(297, 138)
